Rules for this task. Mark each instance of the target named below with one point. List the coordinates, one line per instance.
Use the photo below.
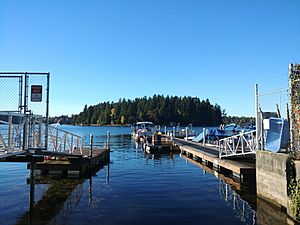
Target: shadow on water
(59, 200)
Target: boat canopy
(146, 123)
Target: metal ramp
(241, 144)
(26, 133)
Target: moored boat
(142, 130)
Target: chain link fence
(24, 92)
(10, 93)
(37, 104)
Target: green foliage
(238, 120)
(158, 109)
(294, 188)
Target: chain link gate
(24, 97)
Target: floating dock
(240, 168)
(72, 165)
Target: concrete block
(271, 177)
(297, 168)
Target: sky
(104, 50)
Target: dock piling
(108, 140)
(91, 149)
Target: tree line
(159, 109)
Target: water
(135, 188)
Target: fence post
(10, 133)
(47, 111)
(25, 132)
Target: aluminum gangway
(26, 133)
(244, 143)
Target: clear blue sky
(100, 50)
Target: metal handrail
(241, 144)
(29, 134)
(11, 134)
(65, 141)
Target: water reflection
(268, 214)
(240, 207)
(232, 193)
(61, 198)
(58, 201)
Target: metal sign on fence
(36, 93)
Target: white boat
(142, 130)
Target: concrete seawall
(271, 177)
(274, 172)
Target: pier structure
(28, 137)
(209, 155)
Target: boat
(215, 134)
(158, 144)
(142, 130)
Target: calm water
(135, 188)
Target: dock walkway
(240, 168)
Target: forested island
(163, 110)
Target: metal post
(204, 135)
(186, 133)
(65, 144)
(10, 132)
(25, 133)
(242, 141)
(165, 130)
(174, 132)
(20, 93)
(26, 94)
(47, 111)
(257, 119)
(56, 141)
(72, 142)
(262, 144)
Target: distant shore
(97, 125)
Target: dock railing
(26, 132)
(64, 142)
(11, 132)
(243, 143)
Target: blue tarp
(199, 138)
